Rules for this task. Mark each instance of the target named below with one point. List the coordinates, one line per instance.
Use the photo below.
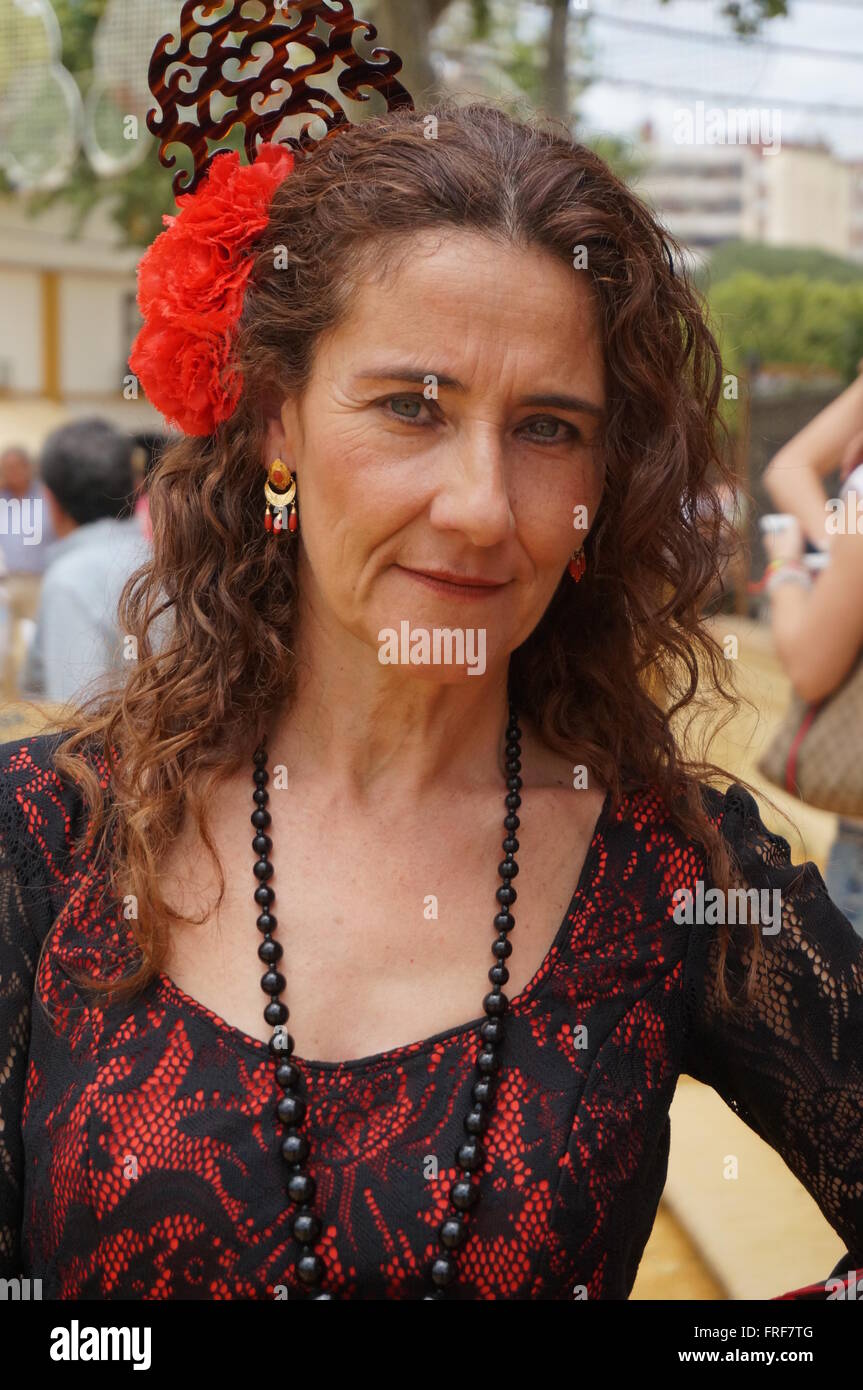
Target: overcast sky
(725, 71)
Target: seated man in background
(26, 532)
(146, 454)
(86, 470)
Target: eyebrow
(397, 372)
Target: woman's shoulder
(32, 756)
(759, 848)
(42, 811)
(27, 766)
(801, 928)
(732, 810)
(645, 809)
(759, 853)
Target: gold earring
(280, 490)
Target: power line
(855, 5)
(646, 26)
(739, 98)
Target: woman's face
(449, 425)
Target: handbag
(816, 753)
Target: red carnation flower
(187, 374)
(191, 284)
(182, 275)
(236, 207)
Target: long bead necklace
(291, 1110)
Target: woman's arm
(818, 632)
(19, 953)
(791, 1063)
(793, 476)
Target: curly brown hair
(220, 599)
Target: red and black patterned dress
(139, 1144)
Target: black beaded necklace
(464, 1191)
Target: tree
(747, 16)
(772, 261)
(139, 197)
(407, 27)
(556, 79)
(789, 320)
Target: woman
(459, 359)
(817, 622)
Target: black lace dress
(139, 1144)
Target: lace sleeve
(791, 1066)
(19, 953)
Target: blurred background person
(148, 449)
(817, 619)
(734, 503)
(26, 533)
(6, 633)
(86, 468)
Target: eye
(550, 430)
(407, 408)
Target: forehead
(475, 297)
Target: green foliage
(482, 19)
(620, 155)
(136, 199)
(771, 261)
(789, 320)
(524, 66)
(747, 16)
(139, 197)
(78, 21)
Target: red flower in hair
(191, 284)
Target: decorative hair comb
(230, 65)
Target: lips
(457, 588)
(462, 581)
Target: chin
(433, 645)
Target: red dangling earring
(280, 490)
(577, 563)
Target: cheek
(355, 496)
(555, 514)
(338, 470)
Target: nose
(473, 497)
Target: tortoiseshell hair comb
(216, 41)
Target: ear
(281, 432)
(275, 442)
